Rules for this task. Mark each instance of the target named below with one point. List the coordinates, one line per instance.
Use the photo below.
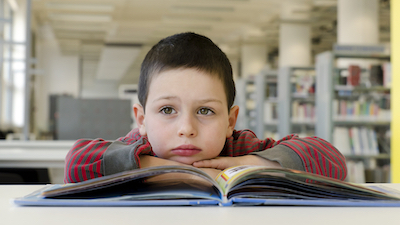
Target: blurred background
(80, 77)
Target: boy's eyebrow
(164, 97)
(210, 100)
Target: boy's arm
(84, 160)
(89, 159)
(311, 154)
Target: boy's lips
(186, 150)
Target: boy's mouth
(186, 150)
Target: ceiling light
(80, 17)
(216, 1)
(80, 7)
(172, 27)
(184, 18)
(325, 2)
(80, 27)
(204, 8)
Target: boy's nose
(187, 127)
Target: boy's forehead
(202, 78)
(185, 71)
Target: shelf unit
(272, 97)
(326, 92)
(264, 97)
(244, 90)
(251, 98)
(286, 97)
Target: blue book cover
(236, 186)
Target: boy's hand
(222, 163)
(150, 161)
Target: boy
(186, 116)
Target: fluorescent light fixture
(73, 35)
(188, 18)
(174, 27)
(214, 1)
(204, 8)
(80, 7)
(325, 2)
(80, 17)
(80, 27)
(13, 4)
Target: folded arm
(310, 154)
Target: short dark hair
(186, 50)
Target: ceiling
(101, 30)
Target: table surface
(12, 214)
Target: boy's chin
(185, 160)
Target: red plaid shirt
(84, 161)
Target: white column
(253, 58)
(295, 34)
(358, 24)
(294, 44)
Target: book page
(128, 176)
(227, 177)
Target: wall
(60, 75)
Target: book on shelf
(379, 174)
(361, 141)
(270, 112)
(354, 75)
(341, 140)
(387, 74)
(376, 75)
(303, 112)
(304, 83)
(184, 185)
(361, 110)
(355, 172)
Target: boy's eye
(205, 111)
(167, 110)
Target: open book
(184, 185)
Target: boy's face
(186, 117)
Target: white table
(36, 154)
(33, 154)
(11, 214)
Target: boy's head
(186, 51)
(187, 89)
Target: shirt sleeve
(85, 160)
(89, 159)
(310, 154)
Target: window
(12, 66)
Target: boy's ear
(139, 117)
(233, 115)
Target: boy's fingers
(211, 163)
(202, 163)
